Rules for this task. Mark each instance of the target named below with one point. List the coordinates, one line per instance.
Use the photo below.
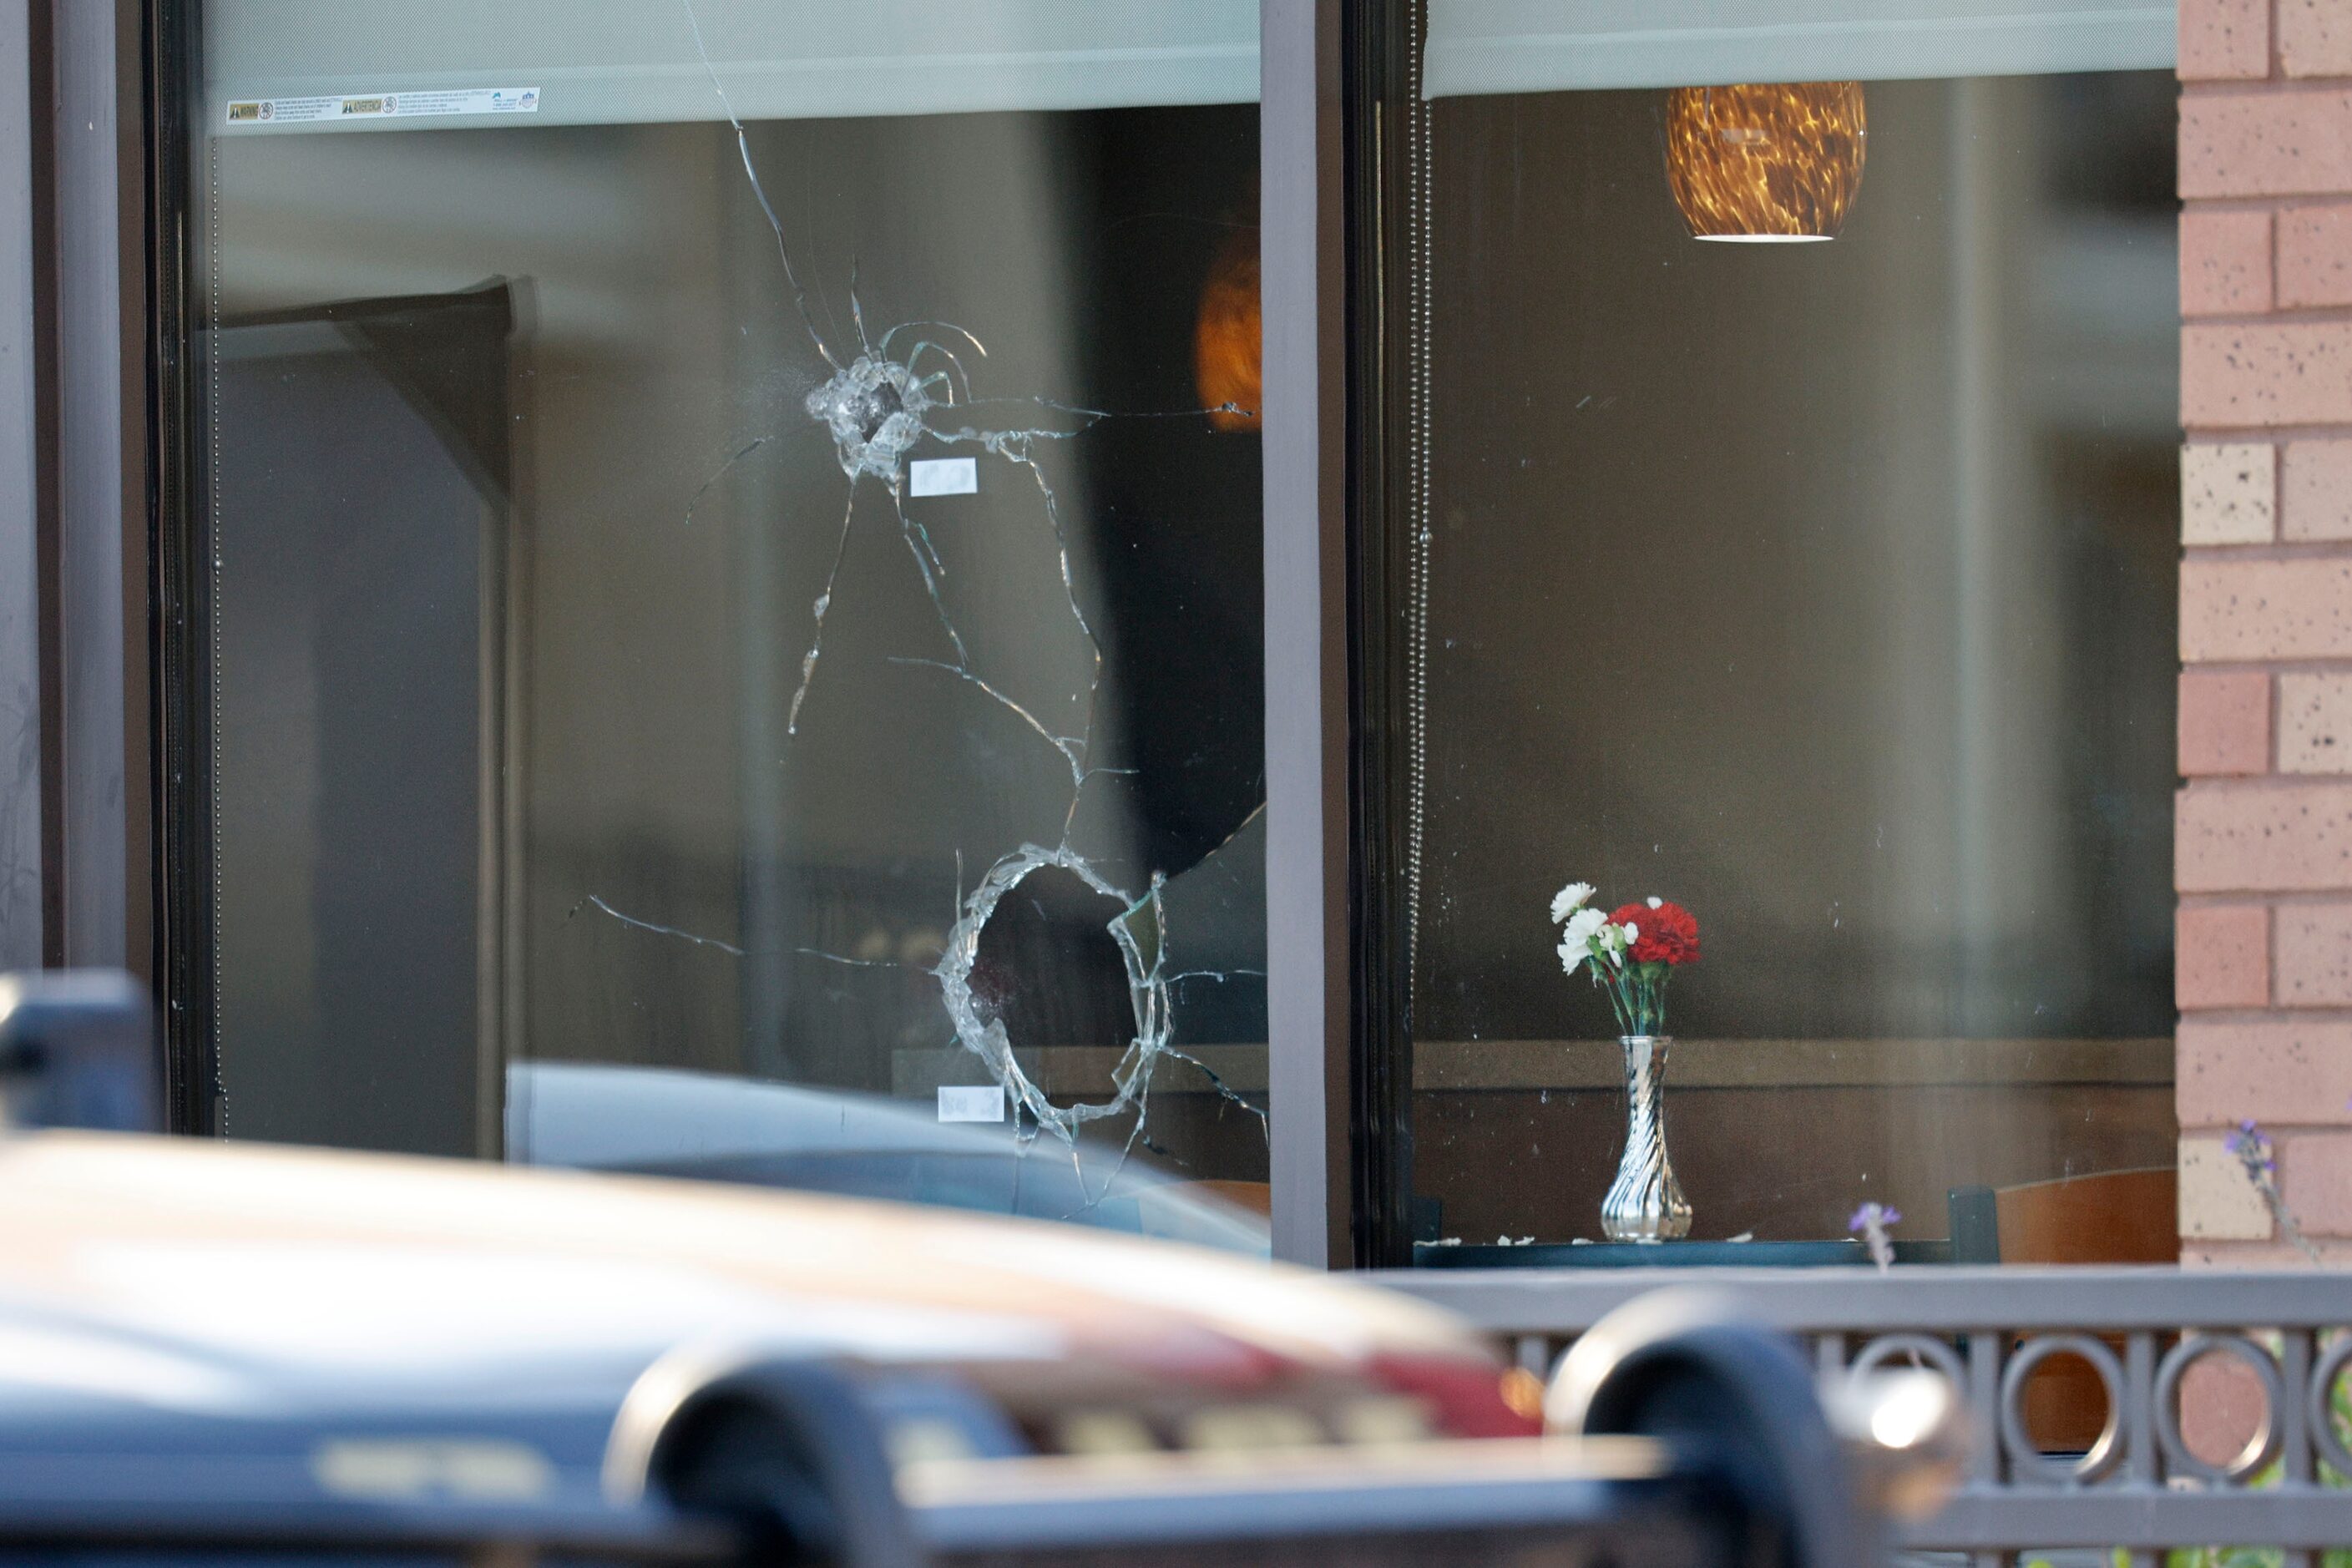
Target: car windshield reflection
(712, 1127)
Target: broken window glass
(738, 598)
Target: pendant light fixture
(1764, 162)
(1228, 358)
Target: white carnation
(1583, 927)
(1569, 898)
(1655, 901)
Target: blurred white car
(214, 1355)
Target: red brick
(2233, 610)
(2315, 1179)
(2314, 257)
(2285, 1072)
(2291, 373)
(2314, 955)
(2315, 491)
(2225, 263)
(2222, 1406)
(2314, 37)
(2286, 143)
(2225, 721)
(2221, 956)
(2256, 839)
(2221, 39)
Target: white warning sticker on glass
(943, 477)
(964, 1103)
(384, 105)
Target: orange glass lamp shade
(1774, 161)
(1228, 351)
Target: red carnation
(1669, 932)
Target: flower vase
(1645, 1202)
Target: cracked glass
(736, 612)
(1825, 588)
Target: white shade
(1549, 46)
(616, 61)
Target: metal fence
(2138, 1488)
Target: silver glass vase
(1645, 1202)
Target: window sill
(1454, 1065)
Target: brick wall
(2262, 853)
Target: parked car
(212, 1350)
(715, 1127)
(220, 1346)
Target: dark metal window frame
(1339, 1068)
(1341, 1073)
(92, 228)
(181, 706)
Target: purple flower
(2252, 1148)
(1871, 1222)
(2251, 1145)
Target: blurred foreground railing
(2137, 1486)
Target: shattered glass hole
(978, 992)
(874, 410)
(1049, 968)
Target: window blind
(273, 67)
(1547, 46)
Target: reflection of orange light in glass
(1771, 162)
(1228, 358)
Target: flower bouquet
(1631, 953)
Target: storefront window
(1825, 589)
(736, 532)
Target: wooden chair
(1255, 1196)
(2115, 1217)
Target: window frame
(91, 311)
(1321, 183)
